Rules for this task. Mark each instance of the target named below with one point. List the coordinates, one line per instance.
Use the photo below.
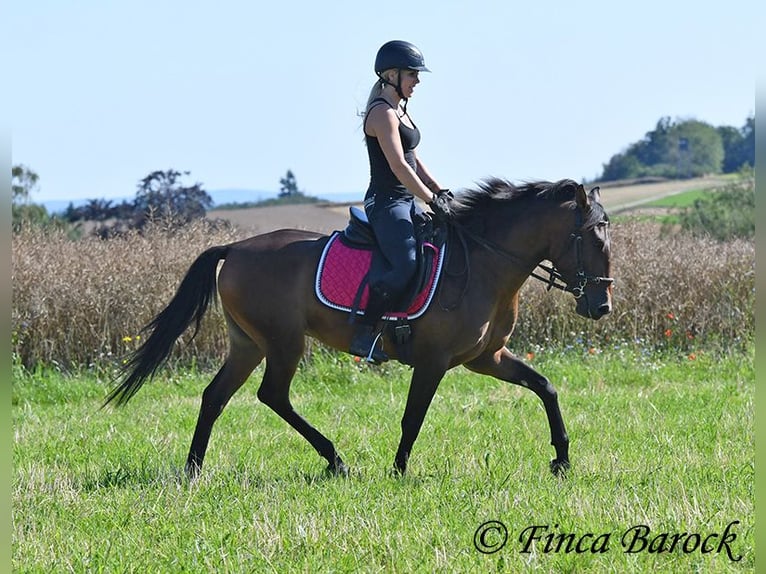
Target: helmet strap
(399, 91)
(397, 86)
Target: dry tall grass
(78, 303)
(670, 291)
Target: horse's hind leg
(281, 364)
(504, 366)
(243, 357)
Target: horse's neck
(521, 243)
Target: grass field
(662, 442)
(679, 200)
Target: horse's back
(275, 240)
(270, 269)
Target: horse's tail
(188, 305)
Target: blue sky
(237, 92)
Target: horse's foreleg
(504, 366)
(238, 366)
(274, 392)
(425, 381)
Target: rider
(397, 176)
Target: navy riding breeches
(391, 217)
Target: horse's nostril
(605, 309)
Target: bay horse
(266, 290)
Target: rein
(554, 279)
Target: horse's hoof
(559, 467)
(398, 470)
(338, 468)
(192, 471)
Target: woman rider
(397, 177)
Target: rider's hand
(440, 205)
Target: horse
(265, 286)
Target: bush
(724, 214)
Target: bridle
(555, 279)
(581, 276)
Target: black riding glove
(440, 206)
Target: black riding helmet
(400, 55)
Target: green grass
(679, 200)
(673, 203)
(662, 441)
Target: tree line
(679, 149)
(161, 196)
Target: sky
(238, 92)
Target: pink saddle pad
(342, 268)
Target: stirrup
(376, 356)
(366, 346)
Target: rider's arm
(425, 176)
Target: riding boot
(366, 342)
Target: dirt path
(620, 198)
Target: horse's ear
(595, 195)
(581, 196)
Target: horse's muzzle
(594, 305)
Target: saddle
(349, 260)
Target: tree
(731, 138)
(738, 146)
(98, 210)
(657, 145)
(28, 214)
(622, 166)
(23, 183)
(699, 149)
(289, 185)
(748, 141)
(161, 195)
(680, 149)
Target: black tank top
(382, 178)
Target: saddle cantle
(341, 277)
(359, 231)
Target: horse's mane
(470, 204)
